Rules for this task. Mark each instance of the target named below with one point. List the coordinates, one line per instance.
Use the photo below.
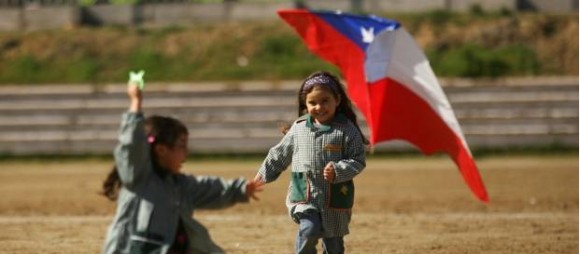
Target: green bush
(473, 61)
(439, 16)
(75, 71)
(24, 69)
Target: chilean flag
(390, 81)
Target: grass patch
(272, 51)
(475, 61)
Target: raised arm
(135, 97)
(132, 151)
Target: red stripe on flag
(399, 113)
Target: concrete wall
(50, 17)
(31, 17)
(10, 19)
(551, 6)
(405, 5)
(179, 14)
(329, 5)
(489, 5)
(110, 15)
(36, 17)
(256, 11)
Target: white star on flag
(367, 35)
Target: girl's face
(172, 157)
(321, 104)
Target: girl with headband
(327, 150)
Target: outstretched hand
(253, 187)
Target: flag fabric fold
(390, 81)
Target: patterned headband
(320, 80)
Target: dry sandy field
(407, 204)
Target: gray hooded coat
(152, 202)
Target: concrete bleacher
(243, 117)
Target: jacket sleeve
(353, 161)
(132, 152)
(211, 192)
(279, 158)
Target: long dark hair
(344, 107)
(158, 130)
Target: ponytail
(111, 185)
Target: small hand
(258, 178)
(252, 187)
(329, 173)
(135, 90)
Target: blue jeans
(310, 231)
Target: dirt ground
(403, 205)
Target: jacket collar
(339, 118)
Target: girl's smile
(321, 104)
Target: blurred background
(230, 69)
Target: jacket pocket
(333, 152)
(300, 190)
(142, 244)
(341, 195)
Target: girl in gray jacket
(326, 150)
(155, 202)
